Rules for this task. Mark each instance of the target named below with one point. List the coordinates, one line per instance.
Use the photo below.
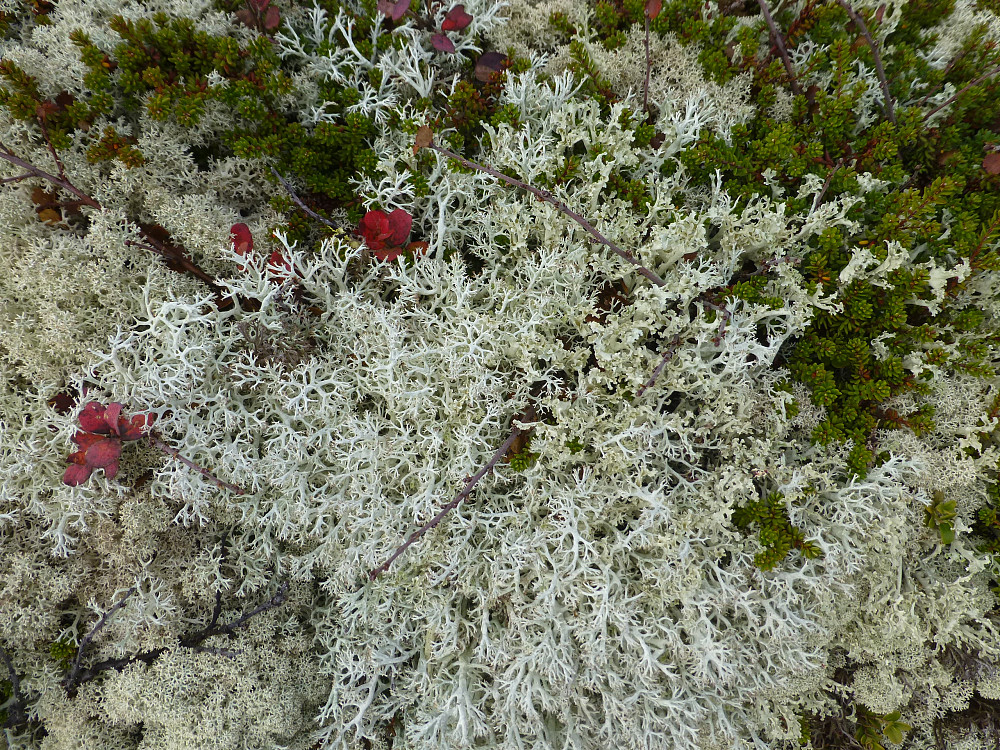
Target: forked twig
(470, 483)
(192, 641)
(70, 683)
(826, 184)
(8, 155)
(659, 368)
(16, 714)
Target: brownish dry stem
(469, 485)
(860, 22)
(779, 42)
(965, 88)
(158, 443)
(549, 198)
(298, 202)
(8, 155)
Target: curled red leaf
(488, 65)
(393, 10)
(374, 228)
(76, 474)
(388, 254)
(456, 19)
(92, 418)
(400, 223)
(442, 43)
(272, 19)
(653, 8)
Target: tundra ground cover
(524, 374)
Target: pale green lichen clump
(677, 564)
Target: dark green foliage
(775, 531)
(64, 652)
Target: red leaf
(259, 5)
(132, 429)
(245, 17)
(284, 267)
(92, 418)
(375, 229)
(489, 64)
(111, 415)
(442, 43)
(388, 254)
(84, 440)
(239, 235)
(272, 19)
(62, 402)
(76, 474)
(653, 8)
(393, 10)
(400, 223)
(991, 162)
(456, 19)
(111, 470)
(103, 453)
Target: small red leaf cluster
(455, 19)
(103, 428)
(385, 234)
(393, 9)
(260, 14)
(242, 239)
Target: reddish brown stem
(469, 485)
(860, 22)
(780, 44)
(8, 155)
(659, 368)
(158, 443)
(965, 88)
(549, 198)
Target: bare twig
(52, 149)
(659, 368)
(72, 679)
(175, 255)
(275, 601)
(780, 44)
(16, 713)
(299, 202)
(469, 485)
(8, 155)
(192, 641)
(157, 442)
(819, 198)
(965, 88)
(549, 198)
(20, 177)
(860, 22)
(726, 317)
